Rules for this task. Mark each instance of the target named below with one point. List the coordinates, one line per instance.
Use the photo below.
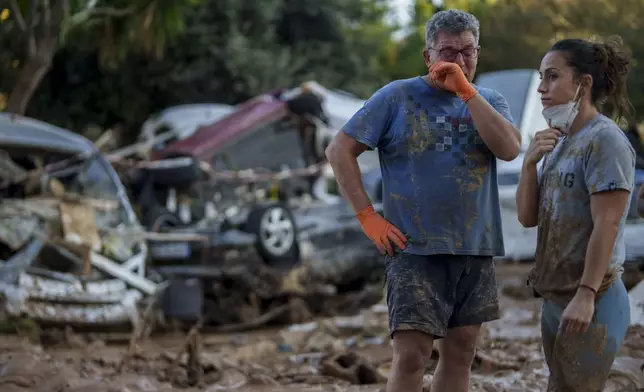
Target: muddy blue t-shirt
(439, 177)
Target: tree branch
(46, 17)
(32, 46)
(106, 11)
(91, 11)
(58, 12)
(13, 5)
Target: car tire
(158, 218)
(277, 235)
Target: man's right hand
(543, 142)
(380, 231)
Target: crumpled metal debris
(62, 250)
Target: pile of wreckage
(89, 238)
(68, 236)
(226, 216)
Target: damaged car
(69, 242)
(176, 192)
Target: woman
(578, 199)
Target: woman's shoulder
(603, 128)
(605, 134)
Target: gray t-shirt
(597, 158)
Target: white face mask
(562, 116)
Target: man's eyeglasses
(450, 54)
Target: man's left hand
(452, 77)
(579, 312)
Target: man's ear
(427, 57)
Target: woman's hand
(543, 142)
(579, 312)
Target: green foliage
(35, 30)
(120, 64)
(230, 51)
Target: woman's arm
(527, 197)
(607, 209)
(609, 174)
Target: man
(438, 138)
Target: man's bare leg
(412, 350)
(457, 351)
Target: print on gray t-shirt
(597, 158)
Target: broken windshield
(89, 178)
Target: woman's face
(557, 85)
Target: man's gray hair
(451, 22)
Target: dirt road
(294, 358)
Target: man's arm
(494, 124)
(365, 130)
(609, 175)
(342, 154)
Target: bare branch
(58, 12)
(105, 11)
(32, 45)
(15, 9)
(46, 16)
(91, 4)
(31, 16)
(92, 11)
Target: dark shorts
(581, 362)
(434, 293)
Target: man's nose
(460, 60)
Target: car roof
(184, 120)
(23, 132)
(209, 139)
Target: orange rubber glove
(380, 231)
(453, 78)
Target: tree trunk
(29, 78)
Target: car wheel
(159, 218)
(277, 236)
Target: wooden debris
(79, 224)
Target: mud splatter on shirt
(597, 158)
(439, 177)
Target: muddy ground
(292, 358)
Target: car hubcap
(277, 231)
